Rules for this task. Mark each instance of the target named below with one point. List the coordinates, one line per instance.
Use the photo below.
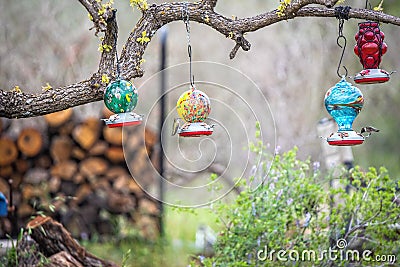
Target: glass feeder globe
(343, 102)
(121, 97)
(193, 107)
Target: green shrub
(315, 218)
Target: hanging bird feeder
(193, 107)
(121, 98)
(343, 102)
(370, 48)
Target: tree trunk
(53, 239)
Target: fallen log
(53, 239)
(62, 259)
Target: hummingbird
(175, 126)
(369, 130)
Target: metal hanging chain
(342, 13)
(185, 18)
(116, 56)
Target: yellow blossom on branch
(105, 47)
(379, 8)
(17, 89)
(282, 7)
(144, 38)
(105, 79)
(47, 87)
(140, 4)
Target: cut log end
(86, 134)
(58, 118)
(30, 142)
(8, 151)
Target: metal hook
(341, 14)
(341, 57)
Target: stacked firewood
(75, 171)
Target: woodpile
(75, 171)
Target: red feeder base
(121, 124)
(370, 76)
(345, 142)
(345, 138)
(123, 119)
(195, 133)
(195, 129)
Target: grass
(174, 250)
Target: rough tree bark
(16, 104)
(57, 244)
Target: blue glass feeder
(121, 98)
(343, 102)
(3, 205)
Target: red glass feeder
(370, 48)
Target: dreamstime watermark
(340, 253)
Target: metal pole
(164, 34)
(13, 215)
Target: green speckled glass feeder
(121, 98)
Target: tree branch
(19, 105)
(99, 14)
(210, 3)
